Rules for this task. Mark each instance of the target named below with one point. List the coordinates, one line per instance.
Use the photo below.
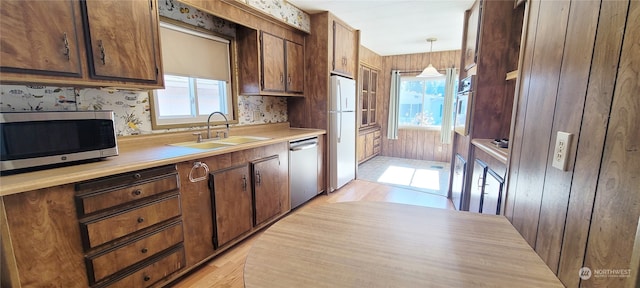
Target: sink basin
(220, 143)
(241, 139)
(203, 145)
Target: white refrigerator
(342, 132)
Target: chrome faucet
(226, 134)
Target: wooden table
(375, 244)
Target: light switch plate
(561, 151)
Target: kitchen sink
(241, 139)
(202, 145)
(220, 143)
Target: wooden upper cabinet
(295, 67)
(472, 29)
(344, 49)
(86, 43)
(270, 64)
(46, 46)
(273, 59)
(123, 40)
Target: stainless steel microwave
(34, 140)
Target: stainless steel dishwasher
(303, 170)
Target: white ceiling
(396, 27)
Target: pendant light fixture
(430, 71)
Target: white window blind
(194, 54)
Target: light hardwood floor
(225, 271)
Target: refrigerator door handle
(339, 111)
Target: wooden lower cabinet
(231, 202)
(368, 143)
(200, 203)
(269, 189)
(159, 225)
(492, 193)
(477, 185)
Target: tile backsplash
(131, 108)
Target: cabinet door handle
(244, 183)
(137, 176)
(480, 182)
(144, 250)
(146, 278)
(67, 51)
(140, 219)
(289, 79)
(281, 78)
(258, 178)
(103, 56)
(136, 192)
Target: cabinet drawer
(376, 135)
(376, 142)
(155, 271)
(125, 256)
(110, 198)
(115, 226)
(376, 149)
(125, 179)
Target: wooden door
(123, 40)
(344, 60)
(477, 185)
(295, 67)
(361, 148)
(272, 63)
(267, 202)
(40, 37)
(492, 193)
(231, 202)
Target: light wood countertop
(501, 154)
(146, 151)
(372, 244)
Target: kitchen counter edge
(142, 154)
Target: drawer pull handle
(136, 192)
(137, 176)
(144, 250)
(140, 219)
(147, 278)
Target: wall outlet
(560, 153)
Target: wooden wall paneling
(574, 76)
(519, 115)
(408, 144)
(595, 118)
(310, 111)
(541, 102)
(46, 216)
(370, 58)
(617, 203)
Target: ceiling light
(430, 71)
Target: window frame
(233, 87)
(419, 127)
